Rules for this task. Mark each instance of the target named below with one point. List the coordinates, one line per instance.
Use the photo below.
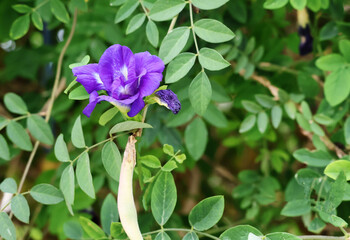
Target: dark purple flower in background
(126, 77)
(168, 99)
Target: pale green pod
(126, 204)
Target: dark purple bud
(306, 40)
(169, 99)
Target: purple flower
(126, 77)
(168, 99)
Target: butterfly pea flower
(126, 78)
(168, 99)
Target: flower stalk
(126, 204)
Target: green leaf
(329, 31)
(40, 129)
(298, 4)
(316, 225)
(135, 23)
(59, 11)
(173, 43)
(168, 149)
(22, 8)
(73, 230)
(258, 54)
(7, 229)
(330, 62)
(239, 233)
(344, 46)
(262, 121)
(212, 60)
(290, 108)
(264, 100)
(128, 126)
(37, 21)
(251, 106)
(61, 150)
(213, 31)
(247, 124)
(79, 93)
(335, 168)
(169, 166)
(46, 194)
(111, 160)
(274, 4)
(164, 10)
(150, 161)
(152, 33)
(215, 117)
(126, 10)
(190, 236)
(15, 103)
(315, 128)
(9, 185)
(83, 173)
(84, 61)
(303, 123)
(163, 198)
(296, 208)
(109, 213)
(337, 86)
(323, 119)
(162, 236)
(107, 116)
(116, 2)
(241, 63)
(3, 122)
(200, 93)
(91, 229)
(316, 158)
(196, 138)
(67, 184)
(20, 27)
(306, 110)
(4, 149)
(180, 158)
(250, 46)
(281, 236)
(276, 116)
(20, 208)
(117, 231)
(208, 5)
(347, 130)
(18, 135)
(207, 213)
(179, 67)
(77, 134)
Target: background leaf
(207, 213)
(163, 198)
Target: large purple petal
(88, 76)
(116, 64)
(136, 107)
(92, 104)
(151, 63)
(149, 83)
(95, 98)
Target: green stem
(192, 27)
(144, 9)
(96, 145)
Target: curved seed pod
(126, 204)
